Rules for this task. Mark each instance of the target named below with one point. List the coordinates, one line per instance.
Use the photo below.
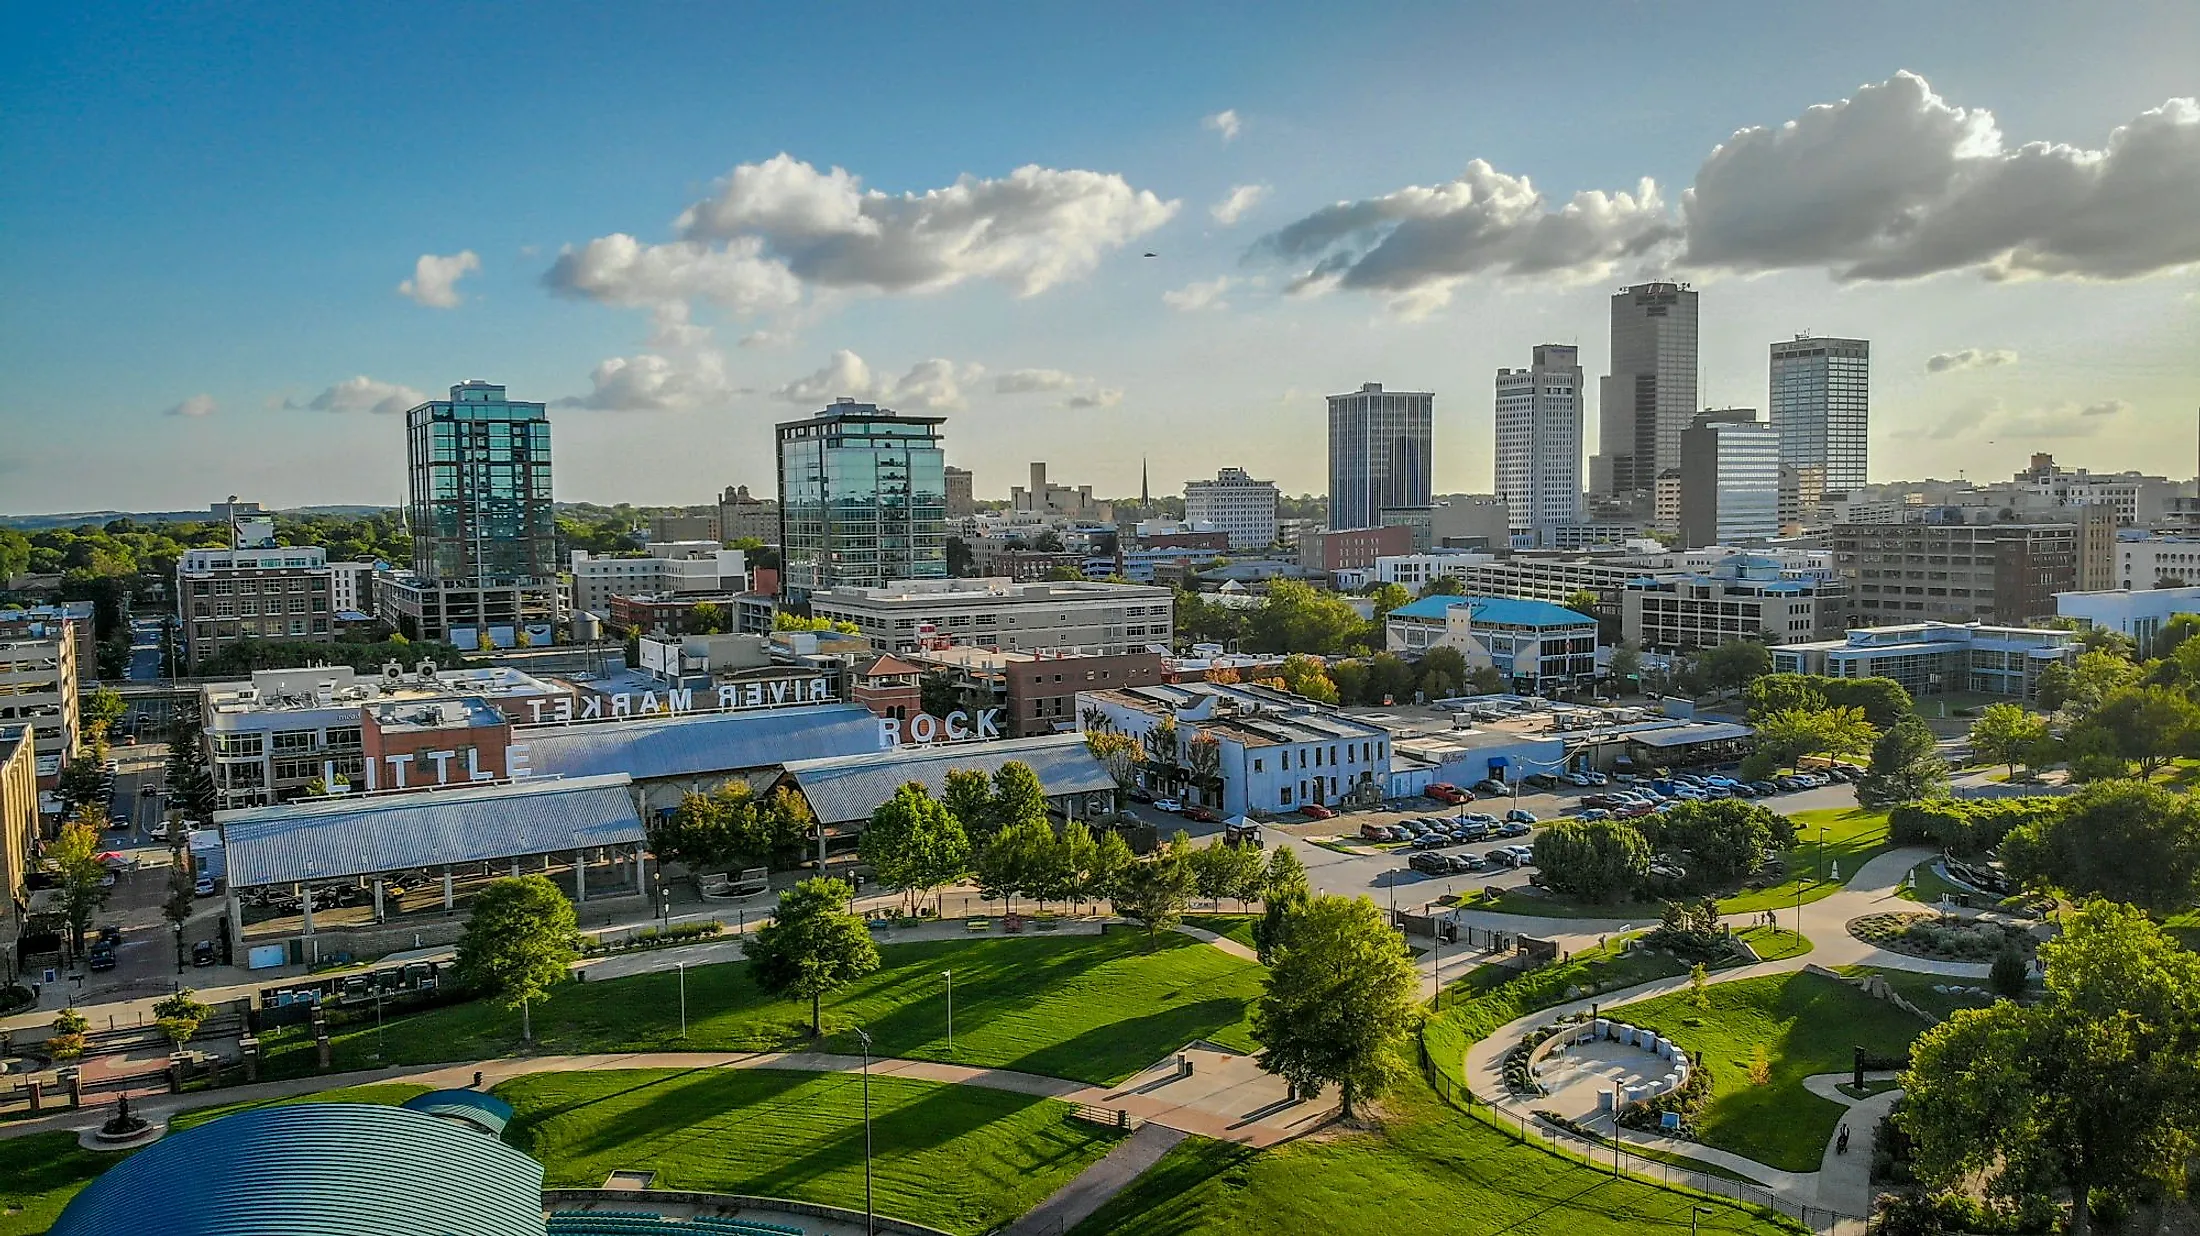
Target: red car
(1445, 792)
(1315, 811)
(1205, 815)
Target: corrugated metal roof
(1684, 735)
(485, 1112)
(701, 744)
(333, 1169)
(339, 837)
(851, 787)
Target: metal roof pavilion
(850, 787)
(335, 838)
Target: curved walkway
(1842, 1181)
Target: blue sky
(209, 211)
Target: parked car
(1519, 815)
(1462, 864)
(1315, 811)
(1594, 813)
(1140, 794)
(1539, 781)
(1741, 789)
(202, 953)
(1431, 841)
(204, 887)
(1371, 831)
(1170, 805)
(1205, 815)
(1513, 828)
(1445, 792)
(1633, 810)
(1492, 786)
(1430, 864)
(1716, 792)
(1764, 788)
(102, 957)
(1522, 855)
(1472, 830)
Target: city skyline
(636, 230)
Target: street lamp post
(949, 975)
(1694, 1213)
(682, 967)
(870, 1221)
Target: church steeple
(1145, 495)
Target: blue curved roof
(486, 1112)
(332, 1169)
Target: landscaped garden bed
(1940, 937)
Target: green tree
(2006, 734)
(1340, 998)
(1018, 796)
(1284, 892)
(520, 941)
(2010, 972)
(70, 1036)
(1117, 752)
(180, 1015)
(1294, 617)
(2124, 840)
(1785, 737)
(1077, 853)
(1351, 678)
(182, 888)
(1443, 672)
(2097, 676)
(1111, 860)
(968, 796)
(1484, 680)
(1388, 677)
(785, 621)
(1154, 890)
(1019, 859)
(914, 844)
(1626, 667)
(1308, 676)
(103, 708)
(2174, 633)
(79, 876)
(1905, 766)
(730, 828)
(2095, 1089)
(1774, 693)
(79, 784)
(1595, 860)
(2149, 725)
(1725, 839)
(2052, 689)
(1732, 665)
(1583, 601)
(1443, 586)
(812, 946)
(707, 618)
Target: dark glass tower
(862, 499)
(480, 502)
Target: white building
(1234, 503)
(665, 568)
(1536, 645)
(1929, 658)
(1820, 404)
(1083, 615)
(351, 587)
(1539, 441)
(2138, 499)
(1273, 751)
(1744, 597)
(2145, 562)
(2139, 613)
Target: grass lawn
(1775, 943)
(1489, 996)
(1093, 1008)
(2185, 929)
(1238, 927)
(1807, 1024)
(1518, 900)
(1918, 989)
(38, 1176)
(1926, 885)
(387, 1094)
(961, 1158)
(1426, 1169)
(1854, 836)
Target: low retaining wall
(553, 1199)
(1876, 987)
(1608, 1029)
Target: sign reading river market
(429, 769)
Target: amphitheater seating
(649, 1223)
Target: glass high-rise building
(1539, 441)
(1378, 453)
(1649, 397)
(862, 499)
(1730, 479)
(1821, 405)
(480, 504)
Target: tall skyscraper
(484, 532)
(1378, 453)
(862, 499)
(1730, 479)
(1539, 441)
(1649, 397)
(1821, 406)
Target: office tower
(862, 499)
(1378, 453)
(1235, 503)
(1730, 479)
(962, 503)
(1539, 441)
(484, 566)
(1649, 397)
(1821, 406)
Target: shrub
(2010, 972)
(1964, 825)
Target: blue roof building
(1535, 645)
(332, 1169)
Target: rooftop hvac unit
(426, 670)
(393, 672)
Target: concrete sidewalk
(1076, 1201)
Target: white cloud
(1895, 183)
(1193, 297)
(654, 382)
(620, 270)
(1025, 381)
(1990, 420)
(1969, 358)
(195, 406)
(1225, 122)
(1423, 241)
(934, 385)
(1030, 230)
(767, 339)
(362, 394)
(1104, 397)
(1242, 198)
(435, 278)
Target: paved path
(1076, 1201)
(1844, 1178)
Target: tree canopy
(519, 942)
(2007, 734)
(1905, 766)
(1595, 860)
(730, 828)
(2124, 840)
(812, 947)
(914, 843)
(1340, 997)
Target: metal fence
(1605, 1155)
